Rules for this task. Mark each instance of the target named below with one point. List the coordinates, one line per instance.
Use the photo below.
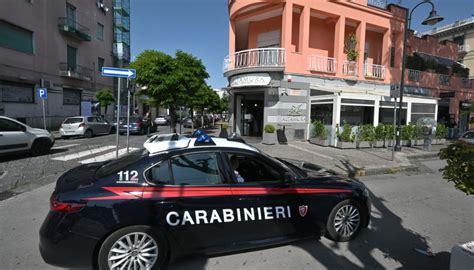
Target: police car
(201, 195)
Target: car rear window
(73, 120)
(114, 166)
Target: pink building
(290, 63)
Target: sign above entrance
(447, 94)
(255, 79)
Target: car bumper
(76, 132)
(64, 248)
(132, 130)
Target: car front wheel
(40, 147)
(345, 221)
(135, 247)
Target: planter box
(462, 256)
(418, 142)
(269, 138)
(405, 142)
(389, 143)
(378, 144)
(439, 141)
(318, 141)
(346, 145)
(363, 144)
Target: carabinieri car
(201, 195)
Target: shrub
(460, 165)
(389, 130)
(407, 132)
(380, 132)
(319, 130)
(366, 133)
(346, 135)
(269, 128)
(441, 131)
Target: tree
(460, 165)
(170, 81)
(105, 98)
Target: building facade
(295, 61)
(60, 45)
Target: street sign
(43, 93)
(395, 90)
(119, 72)
(447, 94)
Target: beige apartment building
(57, 44)
(462, 33)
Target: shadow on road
(17, 156)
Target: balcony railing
(122, 6)
(378, 3)
(466, 83)
(322, 64)
(75, 71)
(414, 75)
(122, 21)
(349, 68)
(374, 71)
(464, 48)
(74, 29)
(254, 58)
(444, 79)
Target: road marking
(311, 152)
(107, 156)
(65, 146)
(83, 153)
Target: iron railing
(253, 58)
(72, 27)
(322, 64)
(414, 75)
(466, 83)
(444, 79)
(374, 71)
(349, 68)
(75, 71)
(377, 3)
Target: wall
(431, 45)
(321, 37)
(263, 26)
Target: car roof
(14, 120)
(167, 142)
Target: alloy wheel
(347, 220)
(135, 251)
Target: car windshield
(73, 120)
(119, 164)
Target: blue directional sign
(43, 93)
(119, 72)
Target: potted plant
(418, 138)
(389, 130)
(441, 134)
(350, 49)
(365, 136)
(319, 134)
(380, 135)
(269, 135)
(345, 139)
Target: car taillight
(82, 125)
(57, 206)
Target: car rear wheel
(345, 221)
(88, 134)
(40, 147)
(135, 247)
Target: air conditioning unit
(46, 84)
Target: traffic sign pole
(128, 116)
(44, 115)
(118, 117)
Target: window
(386, 116)
(195, 169)
(392, 57)
(7, 125)
(16, 38)
(420, 110)
(322, 112)
(91, 119)
(71, 15)
(16, 92)
(71, 58)
(160, 173)
(71, 97)
(100, 31)
(73, 120)
(250, 169)
(100, 63)
(357, 115)
(468, 135)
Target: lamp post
(432, 19)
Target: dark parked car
(181, 195)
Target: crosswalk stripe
(65, 146)
(83, 153)
(107, 156)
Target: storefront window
(421, 110)
(386, 116)
(357, 115)
(322, 112)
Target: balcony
(378, 3)
(121, 51)
(414, 75)
(466, 83)
(121, 21)
(374, 71)
(464, 48)
(322, 64)
(122, 6)
(75, 72)
(349, 68)
(266, 58)
(444, 79)
(73, 29)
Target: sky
(200, 27)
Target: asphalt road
(410, 211)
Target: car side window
(159, 173)
(91, 119)
(195, 169)
(469, 135)
(251, 169)
(6, 125)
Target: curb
(391, 170)
(423, 156)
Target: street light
(433, 18)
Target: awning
(437, 59)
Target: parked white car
(161, 120)
(18, 137)
(85, 126)
(468, 136)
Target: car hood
(39, 131)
